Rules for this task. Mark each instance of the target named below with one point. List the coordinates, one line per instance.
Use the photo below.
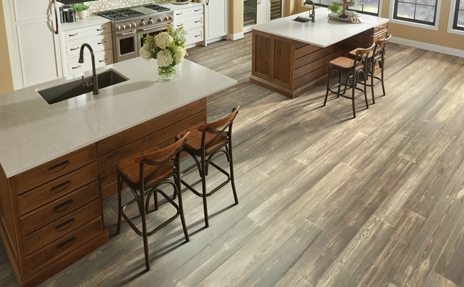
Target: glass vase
(166, 74)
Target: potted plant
(80, 9)
(334, 9)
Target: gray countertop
(32, 132)
(323, 32)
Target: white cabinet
(97, 36)
(192, 18)
(216, 18)
(33, 41)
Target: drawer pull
(197, 36)
(179, 13)
(73, 49)
(197, 10)
(62, 207)
(76, 67)
(179, 25)
(198, 21)
(102, 42)
(63, 165)
(380, 27)
(64, 226)
(101, 29)
(67, 244)
(102, 61)
(60, 187)
(72, 35)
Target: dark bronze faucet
(94, 81)
(312, 15)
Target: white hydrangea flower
(179, 54)
(145, 52)
(164, 58)
(163, 40)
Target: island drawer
(180, 14)
(62, 226)
(60, 207)
(72, 35)
(64, 245)
(380, 28)
(379, 36)
(111, 159)
(123, 138)
(57, 188)
(55, 168)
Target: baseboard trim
(237, 36)
(430, 47)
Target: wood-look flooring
(325, 200)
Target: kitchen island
(57, 162)
(291, 57)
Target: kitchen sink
(73, 89)
(302, 19)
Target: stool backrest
(167, 156)
(363, 54)
(222, 127)
(380, 45)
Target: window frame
(415, 23)
(453, 18)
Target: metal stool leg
(339, 83)
(371, 74)
(203, 186)
(365, 88)
(144, 227)
(353, 88)
(231, 164)
(328, 86)
(120, 183)
(381, 73)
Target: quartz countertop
(323, 32)
(177, 7)
(32, 132)
(90, 20)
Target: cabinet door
(37, 45)
(217, 18)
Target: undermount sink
(73, 89)
(302, 19)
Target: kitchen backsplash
(102, 5)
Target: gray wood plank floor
(325, 200)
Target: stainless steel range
(129, 24)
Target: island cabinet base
(52, 215)
(291, 67)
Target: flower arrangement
(335, 8)
(168, 48)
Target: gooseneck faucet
(312, 15)
(94, 81)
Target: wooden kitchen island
(291, 58)
(58, 161)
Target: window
(417, 11)
(458, 19)
(370, 6)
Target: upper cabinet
(216, 18)
(34, 42)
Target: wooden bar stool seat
(376, 57)
(205, 141)
(144, 173)
(353, 69)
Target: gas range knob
(159, 20)
(170, 18)
(117, 27)
(123, 27)
(129, 25)
(150, 21)
(134, 24)
(165, 18)
(142, 23)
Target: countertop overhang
(323, 32)
(32, 132)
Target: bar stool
(378, 57)
(144, 173)
(352, 69)
(205, 141)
